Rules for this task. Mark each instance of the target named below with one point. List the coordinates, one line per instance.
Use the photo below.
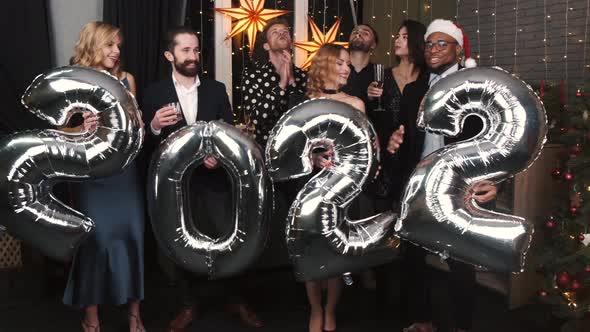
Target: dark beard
(356, 46)
(183, 69)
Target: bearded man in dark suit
(199, 99)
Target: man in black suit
(444, 46)
(200, 99)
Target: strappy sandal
(139, 326)
(86, 326)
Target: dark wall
(26, 52)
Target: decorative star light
(252, 17)
(319, 39)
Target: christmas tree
(563, 257)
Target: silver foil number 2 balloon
(438, 210)
(33, 161)
(169, 205)
(321, 240)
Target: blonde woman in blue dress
(108, 267)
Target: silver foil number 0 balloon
(173, 226)
(33, 161)
(321, 240)
(438, 211)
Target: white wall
(67, 18)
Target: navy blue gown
(108, 267)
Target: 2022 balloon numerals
(33, 161)
(438, 210)
(322, 241)
(170, 201)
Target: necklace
(330, 91)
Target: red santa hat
(456, 31)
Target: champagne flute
(378, 74)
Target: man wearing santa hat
(445, 43)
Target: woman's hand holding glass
(90, 121)
(374, 90)
(322, 159)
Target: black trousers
(386, 276)
(416, 288)
(211, 210)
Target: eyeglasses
(439, 45)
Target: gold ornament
(252, 17)
(570, 298)
(319, 39)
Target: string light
(515, 36)
(325, 7)
(478, 39)
(584, 65)
(457, 11)
(545, 59)
(336, 17)
(494, 14)
(405, 11)
(201, 34)
(567, 9)
(391, 34)
(373, 10)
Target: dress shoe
(247, 315)
(182, 321)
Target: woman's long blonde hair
(93, 37)
(323, 68)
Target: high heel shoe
(138, 325)
(86, 326)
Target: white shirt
(433, 142)
(189, 101)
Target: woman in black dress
(411, 66)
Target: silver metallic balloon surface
(321, 240)
(33, 161)
(438, 211)
(172, 223)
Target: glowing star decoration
(252, 17)
(319, 39)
